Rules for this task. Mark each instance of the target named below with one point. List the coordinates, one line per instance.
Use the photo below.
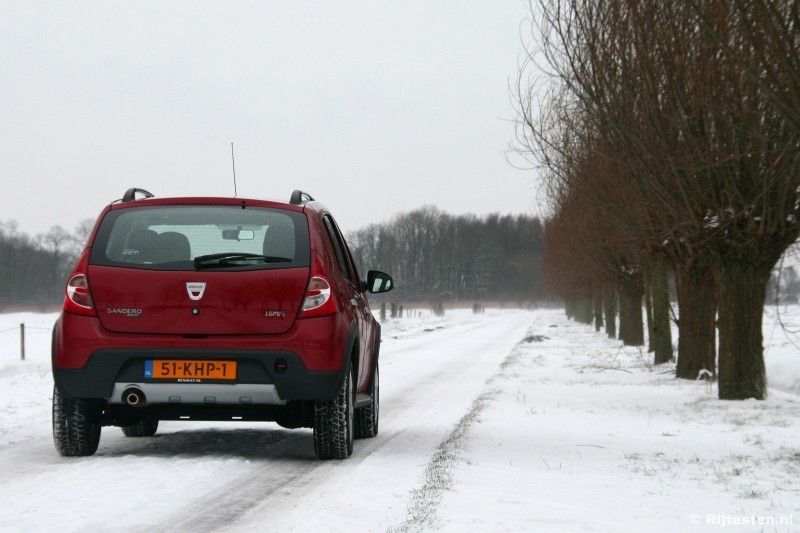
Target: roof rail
(130, 194)
(299, 197)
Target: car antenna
(233, 162)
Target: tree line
(667, 133)
(434, 256)
(35, 269)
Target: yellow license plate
(190, 371)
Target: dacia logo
(127, 312)
(195, 289)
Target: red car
(216, 309)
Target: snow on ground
(583, 435)
(508, 421)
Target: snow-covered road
(209, 476)
(507, 421)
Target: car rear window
(191, 237)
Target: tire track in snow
(424, 501)
(427, 386)
(230, 503)
(281, 480)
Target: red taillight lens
(318, 293)
(318, 300)
(78, 291)
(79, 299)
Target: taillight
(79, 298)
(318, 293)
(318, 300)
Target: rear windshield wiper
(235, 259)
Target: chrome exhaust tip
(134, 397)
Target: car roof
(215, 200)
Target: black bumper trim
(108, 366)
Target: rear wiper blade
(230, 258)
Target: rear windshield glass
(202, 237)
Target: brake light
(79, 298)
(318, 300)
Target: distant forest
(35, 269)
(434, 256)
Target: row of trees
(435, 256)
(34, 269)
(432, 255)
(668, 134)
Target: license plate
(189, 370)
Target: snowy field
(507, 421)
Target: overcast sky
(374, 107)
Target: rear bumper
(306, 363)
(110, 367)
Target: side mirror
(379, 282)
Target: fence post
(22, 341)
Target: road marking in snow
(424, 501)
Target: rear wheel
(334, 423)
(142, 428)
(367, 416)
(76, 428)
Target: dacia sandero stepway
(216, 309)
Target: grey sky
(373, 107)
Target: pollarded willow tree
(685, 99)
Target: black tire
(334, 422)
(367, 416)
(76, 426)
(142, 428)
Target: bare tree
(703, 148)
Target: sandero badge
(126, 312)
(285, 334)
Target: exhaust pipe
(134, 397)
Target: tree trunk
(741, 352)
(584, 311)
(661, 340)
(648, 307)
(697, 305)
(631, 321)
(569, 307)
(597, 302)
(610, 310)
